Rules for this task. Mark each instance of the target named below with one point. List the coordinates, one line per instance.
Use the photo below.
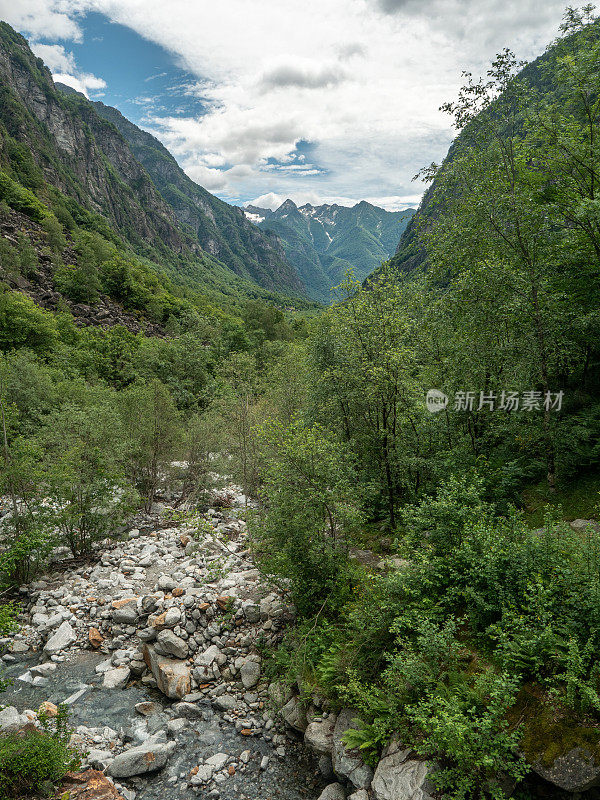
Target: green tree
(23, 324)
(311, 507)
(153, 435)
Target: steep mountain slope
(410, 253)
(58, 146)
(322, 242)
(75, 150)
(222, 230)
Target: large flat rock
(172, 675)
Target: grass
(578, 500)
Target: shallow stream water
(294, 777)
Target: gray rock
(397, 775)
(294, 715)
(361, 794)
(149, 604)
(279, 694)
(99, 759)
(210, 655)
(218, 761)
(349, 763)
(574, 771)
(204, 774)
(147, 708)
(583, 524)
(63, 637)
(126, 615)
(11, 720)
(188, 710)
(251, 611)
(319, 735)
(116, 678)
(171, 644)
(325, 767)
(166, 583)
(172, 677)
(44, 669)
(148, 757)
(172, 617)
(250, 674)
(225, 702)
(335, 791)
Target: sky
(321, 101)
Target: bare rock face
(349, 763)
(172, 676)
(319, 735)
(398, 775)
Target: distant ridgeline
(322, 242)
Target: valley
(297, 499)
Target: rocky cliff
(54, 141)
(221, 230)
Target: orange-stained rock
(223, 602)
(172, 675)
(123, 602)
(88, 785)
(203, 606)
(48, 708)
(231, 769)
(246, 732)
(178, 592)
(157, 620)
(194, 771)
(184, 539)
(95, 637)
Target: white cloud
(82, 82)
(54, 56)
(360, 81)
(64, 69)
(52, 19)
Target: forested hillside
(76, 162)
(419, 463)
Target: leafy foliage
(31, 761)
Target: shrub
(443, 518)
(471, 737)
(311, 506)
(54, 234)
(23, 324)
(21, 199)
(31, 761)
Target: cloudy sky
(317, 100)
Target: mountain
(322, 242)
(58, 146)
(540, 76)
(222, 230)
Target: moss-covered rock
(559, 747)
